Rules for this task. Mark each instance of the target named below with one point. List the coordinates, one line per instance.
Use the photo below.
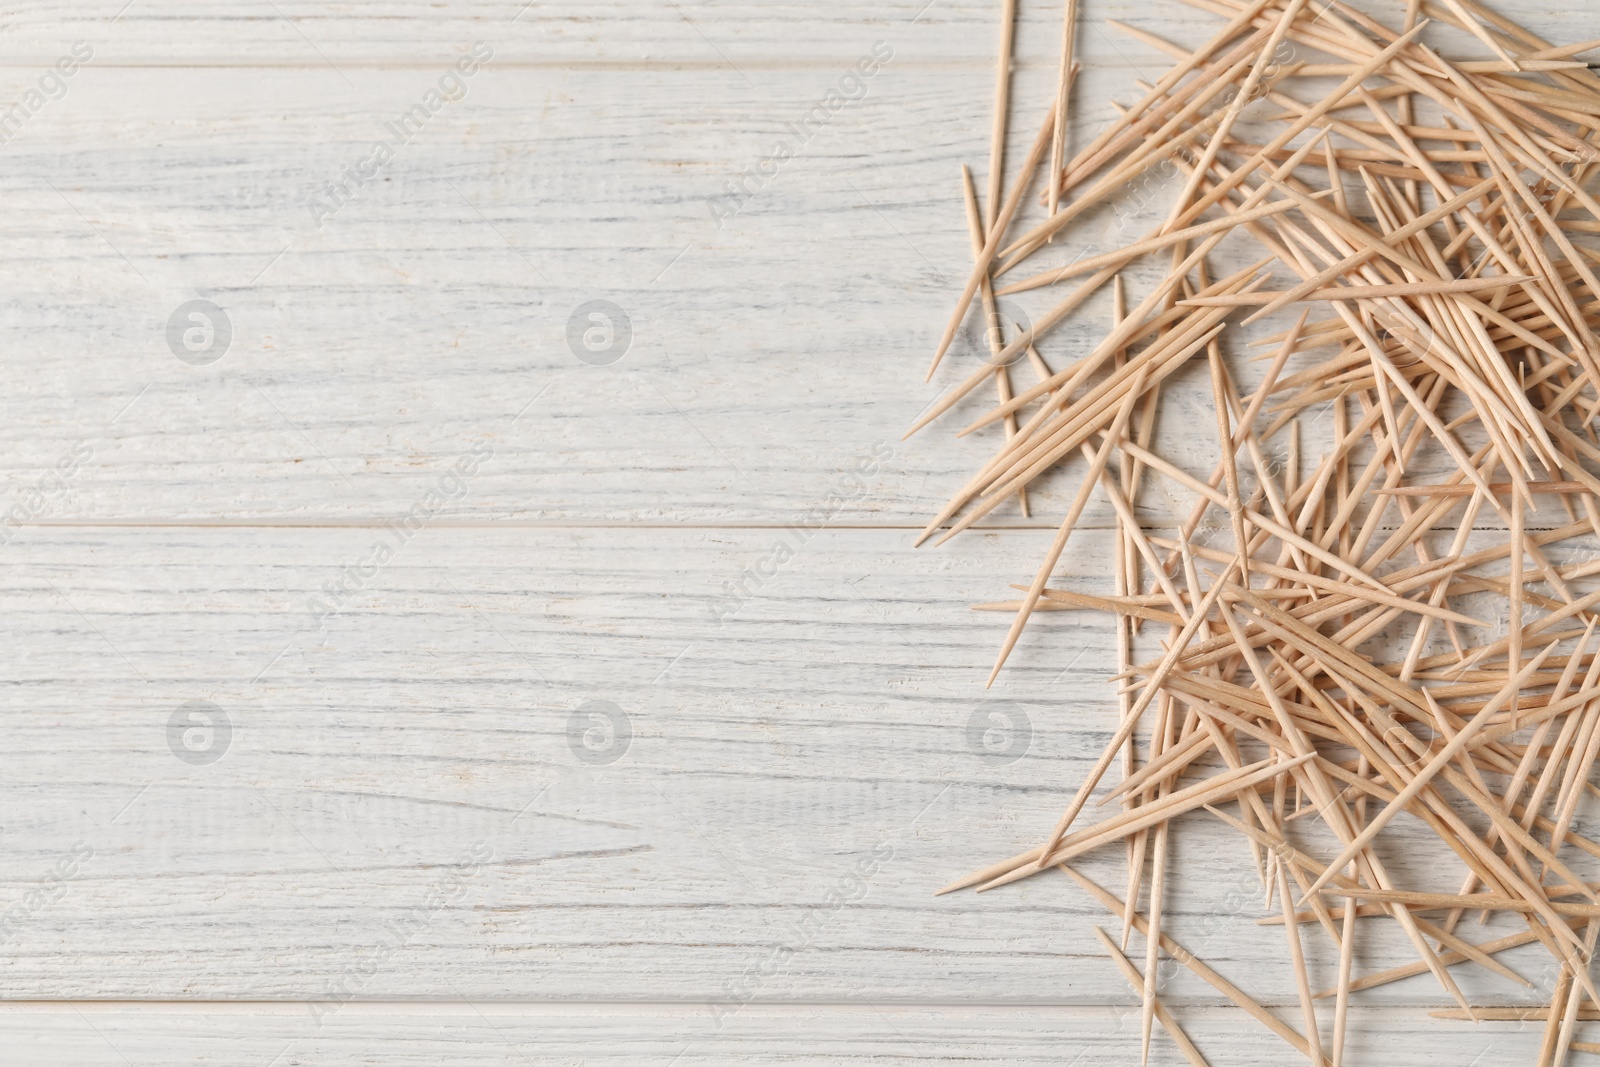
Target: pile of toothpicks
(1378, 619)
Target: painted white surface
(777, 738)
(502, 1035)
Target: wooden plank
(407, 806)
(145, 189)
(418, 787)
(325, 35)
(321, 34)
(775, 339)
(490, 1034)
(371, 348)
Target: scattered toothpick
(1378, 619)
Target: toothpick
(1058, 140)
(1002, 109)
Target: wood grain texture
(767, 356)
(370, 346)
(770, 750)
(770, 349)
(781, 736)
(489, 1034)
(712, 33)
(320, 33)
(814, 738)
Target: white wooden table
(395, 799)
